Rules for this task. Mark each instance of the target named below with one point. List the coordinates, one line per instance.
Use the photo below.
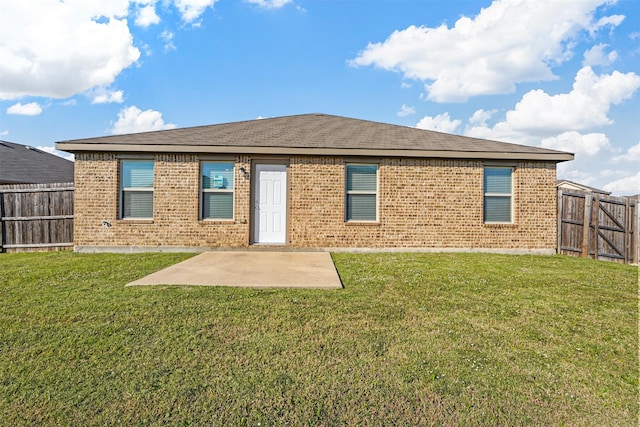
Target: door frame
(252, 200)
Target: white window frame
(123, 190)
(204, 191)
(356, 192)
(499, 195)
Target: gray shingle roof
(21, 164)
(313, 134)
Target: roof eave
(209, 149)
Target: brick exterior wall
(422, 203)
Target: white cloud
(59, 49)
(133, 120)
(147, 49)
(608, 172)
(480, 117)
(191, 10)
(539, 115)
(627, 186)
(269, 4)
(146, 15)
(612, 20)
(565, 171)
(405, 110)
(509, 42)
(52, 150)
(103, 95)
(502, 132)
(586, 106)
(167, 37)
(441, 123)
(632, 155)
(30, 109)
(597, 56)
(575, 142)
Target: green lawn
(413, 339)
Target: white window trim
(218, 190)
(356, 192)
(502, 195)
(124, 189)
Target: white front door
(270, 204)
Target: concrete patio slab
(255, 269)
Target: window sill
(500, 224)
(134, 221)
(362, 223)
(217, 222)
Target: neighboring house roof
(314, 134)
(21, 164)
(577, 186)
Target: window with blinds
(136, 189)
(362, 192)
(217, 190)
(498, 195)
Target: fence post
(586, 225)
(627, 232)
(595, 220)
(559, 214)
(2, 232)
(636, 232)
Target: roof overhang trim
(208, 149)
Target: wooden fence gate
(596, 226)
(36, 217)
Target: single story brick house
(312, 181)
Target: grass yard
(413, 339)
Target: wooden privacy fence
(36, 217)
(40, 217)
(597, 226)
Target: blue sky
(562, 74)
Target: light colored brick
(423, 203)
